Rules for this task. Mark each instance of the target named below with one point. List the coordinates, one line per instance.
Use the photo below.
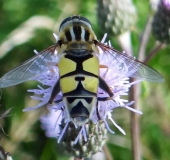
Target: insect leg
(103, 85)
(55, 91)
(106, 67)
(97, 111)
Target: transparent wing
(29, 69)
(129, 65)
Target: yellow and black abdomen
(79, 81)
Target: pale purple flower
(116, 76)
(166, 4)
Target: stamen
(55, 36)
(110, 44)
(77, 138)
(104, 38)
(62, 133)
(57, 119)
(35, 51)
(35, 107)
(120, 129)
(108, 128)
(134, 110)
(84, 133)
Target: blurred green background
(29, 24)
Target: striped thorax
(76, 33)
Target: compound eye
(64, 21)
(85, 20)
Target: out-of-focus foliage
(26, 139)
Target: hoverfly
(79, 68)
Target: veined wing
(129, 65)
(29, 69)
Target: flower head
(82, 141)
(116, 16)
(161, 22)
(166, 4)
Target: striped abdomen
(79, 83)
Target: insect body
(79, 75)
(79, 70)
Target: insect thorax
(77, 34)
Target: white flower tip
(104, 38)
(30, 108)
(133, 110)
(58, 141)
(26, 110)
(118, 127)
(121, 130)
(30, 90)
(105, 35)
(55, 36)
(110, 43)
(108, 128)
(62, 133)
(75, 142)
(140, 112)
(55, 52)
(9, 157)
(35, 51)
